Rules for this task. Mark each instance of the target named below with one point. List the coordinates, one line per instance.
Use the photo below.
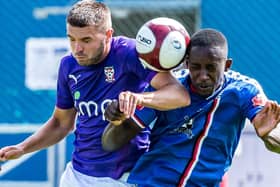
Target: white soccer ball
(162, 43)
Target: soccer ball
(161, 43)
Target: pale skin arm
(54, 130)
(169, 94)
(266, 123)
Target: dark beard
(98, 57)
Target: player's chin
(83, 62)
(205, 91)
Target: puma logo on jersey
(71, 76)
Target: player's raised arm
(266, 123)
(169, 94)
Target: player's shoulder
(124, 51)
(242, 84)
(241, 79)
(68, 58)
(68, 63)
(123, 42)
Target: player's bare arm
(120, 130)
(55, 129)
(169, 94)
(267, 125)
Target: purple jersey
(194, 145)
(89, 89)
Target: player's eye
(71, 39)
(211, 68)
(87, 40)
(194, 67)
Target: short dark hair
(208, 37)
(88, 12)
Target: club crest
(110, 74)
(259, 100)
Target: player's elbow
(186, 99)
(183, 98)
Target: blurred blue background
(251, 26)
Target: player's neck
(106, 52)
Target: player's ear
(187, 61)
(187, 55)
(228, 64)
(109, 34)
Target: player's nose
(78, 47)
(203, 74)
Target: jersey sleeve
(144, 118)
(147, 117)
(64, 99)
(253, 98)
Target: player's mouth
(80, 57)
(204, 88)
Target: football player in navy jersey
(99, 69)
(194, 145)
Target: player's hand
(267, 119)
(128, 102)
(10, 152)
(113, 114)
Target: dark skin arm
(120, 130)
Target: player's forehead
(81, 32)
(207, 53)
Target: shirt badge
(259, 100)
(185, 128)
(110, 74)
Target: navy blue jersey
(89, 89)
(194, 145)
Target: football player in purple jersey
(99, 69)
(194, 145)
